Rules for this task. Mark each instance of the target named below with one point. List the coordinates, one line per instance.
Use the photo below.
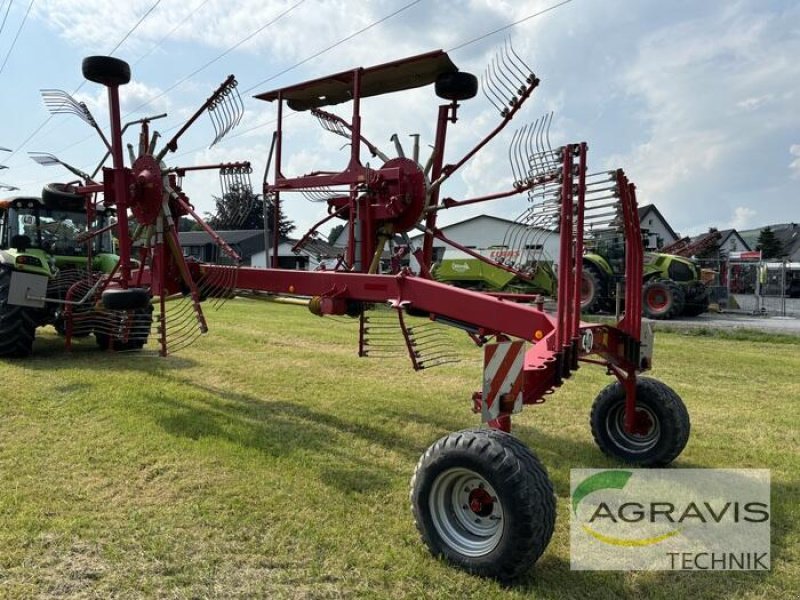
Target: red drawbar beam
(492, 315)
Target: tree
(336, 231)
(769, 244)
(187, 224)
(240, 208)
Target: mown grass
(267, 460)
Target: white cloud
(794, 166)
(743, 218)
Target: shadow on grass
(282, 429)
(50, 354)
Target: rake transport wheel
(17, 323)
(456, 86)
(662, 424)
(53, 193)
(106, 70)
(662, 299)
(138, 331)
(484, 502)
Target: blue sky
(697, 101)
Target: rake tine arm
(448, 170)
(172, 145)
(344, 129)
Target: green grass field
(267, 460)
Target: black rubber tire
(456, 86)
(661, 445)
(106, 70)
(58, 193)
(593, 292)
(17, 323)
(523, 492)
(138, 333)
(696, 299)
(130, 299)
(662, 299)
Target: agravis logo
(611, 480)
(716, 519)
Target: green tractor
(672, 284)
(537, 277)
(51, 268)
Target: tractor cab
(58, 227)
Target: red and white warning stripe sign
(502, 375)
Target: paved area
(788, 325)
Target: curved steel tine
(216, 122)
(533, 159)
(510, 72)
(547, 137)
(507, 47)
(223, 112)
(530, 77)
(498, 88)
(489, 85)
(521, 154)
(511, 155)
(501, 83)
(540, 147)
(239, 104)
(484, 89)
(501, 67)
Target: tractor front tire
(484, 502)
(106, 70)
(696, 300)
(662, 299)
(662, 428)
(17, 323)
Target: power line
(14, 43)
(47, 120)
(509, 26)
(5, 16)
(135, 27)
(218, 57)
(332, 46)
(183, 22)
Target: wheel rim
(466, 512)
(657, 299)
(647, 429)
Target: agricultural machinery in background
(536, 275)
(480, 497)
(672, 284)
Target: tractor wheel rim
(647, 429)
(466, 512)
(657, 299)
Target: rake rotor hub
(147, 190)
(402, 199)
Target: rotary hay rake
(480, 498)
